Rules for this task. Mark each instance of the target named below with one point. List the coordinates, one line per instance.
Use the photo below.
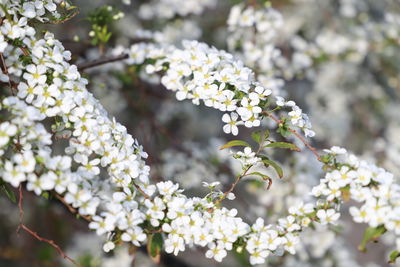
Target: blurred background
(338, 59)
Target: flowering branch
(295, 133)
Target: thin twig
(67, 18)
(100, 62)
(5, 71)
(36, 235)
(234, 184)
(70, 208)
(146, 196)
(295, 133)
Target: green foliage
(88, 261)
(267, 162)
(265, 177)
(103, 15)
(393, 256)
(101, 35)
(101, 19)
(260, 136)
(371, 234)
(25, 60)
(283, 145)
(154, 246)
(283, 128)
(234, 143)
(7, 191)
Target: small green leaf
(154, 246)
(9, 193)
(234, 143)
(260, 136)
(283, 145)
(256, 136)
(371, 234)
(263, 176)
(283, 128)
(393, 256)
(267, 162)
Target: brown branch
(295, 133)
(5, 71)
(67, 18)
(234, 184)
(100, 62)
(146, 196)
(70, 208)
(36, 235)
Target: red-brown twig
(36, 235)
(5, 71)
(71, 209)
(146, 196)
(295, 133)
(234, 184)
(100, 62)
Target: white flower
(102, 225)
(35, 74)
(7, 130)
(328, 216)
(12, 174)
(217, 252)
(134, 235)
(167, 188)
(289, 223)
(231, 123)
(258, 257)
(290, 241)
(107, 247)
(155, 210)
(28, 10)
(174, 244)
(359, 215)
(247, 157)
(25, 162)
(335, 150)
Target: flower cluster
(199, 72)
(103, 175)
(169, 8)
(367, 184)
(252, 36)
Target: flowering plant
(57, 140)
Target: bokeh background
(338, 59)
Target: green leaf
(154, 246)
(393, 256)
(267, 162)
(283, 145)
(9, 193)
(283, 128)
(371, 234)
(265, 177)
(256, 136)
(234, 143)
(260, 136)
